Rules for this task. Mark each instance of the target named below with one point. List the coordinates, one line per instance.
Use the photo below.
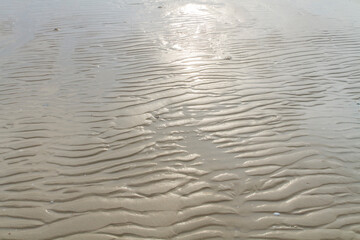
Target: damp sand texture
(190, 119)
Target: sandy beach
(179, 119)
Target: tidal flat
(179, 119)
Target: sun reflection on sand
(194, 9)
(191, 44)
(190, 41)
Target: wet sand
(182, 119)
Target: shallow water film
(179, 119)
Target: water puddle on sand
(179, 119)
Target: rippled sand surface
(179, 119)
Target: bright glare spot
(193, 9)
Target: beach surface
(179, 119)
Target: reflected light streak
(194, 9)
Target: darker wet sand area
(179, 119)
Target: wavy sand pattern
(182, 119)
